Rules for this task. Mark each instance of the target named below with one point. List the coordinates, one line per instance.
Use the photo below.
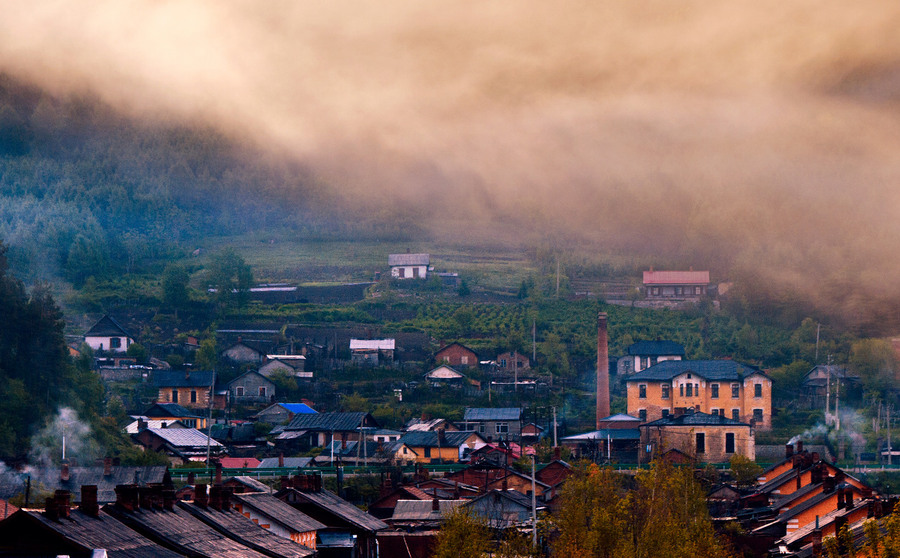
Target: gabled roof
(169, 410)
(184, 437)
(372, 344)
(606, 434)
(289, 462)
(180, 530)
(695, 419)
(430, 439)
(676, 277)
(340, 422)
(106, 327)
(487, 413)
(334, 505)
(249, 484)
(298, 408)
(178, 378)
(238, 380)
(621, 417)
(90, 533)
(723, 370)
(419, 425)
(656, 348)
(244, 531)
(280, 512)
(408, 259)
(443, 372)
(458, 344)
(423, 510)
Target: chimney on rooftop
(107, 466)
(89, 504)
(126, 496)
(168, 496)
(50, 508)
(281, 459)
(215, 497)
(799, 446)
(788, 451)
(435, 504)
(64, 472)
(602, 369)
(200, 496)
(218, 465)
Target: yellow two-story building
(717, 387)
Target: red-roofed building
(676, 285)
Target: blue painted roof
(708, 369)
(298, 408)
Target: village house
(456, 355)
(512, 362)
(494, 424)
(280, 413)
(251, 388)
(706, 438)
(292, 365)
(817, 382)
(409, 266)
(440, 446)
(246, 352)
(443, 375)
(347, 528)
(162, 415)
(644, 354)
(423, 425)
(108, 336)
(306, 430)
(676, 285)
(186, 388)
(182, 445)
(270, 513)
(717, 387)
(372, 352)
(503, 509)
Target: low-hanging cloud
(758, 135)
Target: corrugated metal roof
(298, 408)
(333, 504)
(104, 532)
(170, 410)
(185, 437)
(408, 259)
(708, 369)
(243, 530)
(443, 372)
(607, 433)
(429, 439)
(501, 413)
(340, 422)
(423, 510)
(291, 462)
(372, 344)
(656, 348)
(676, 277)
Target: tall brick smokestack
(602, 369)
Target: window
(757, 390)
(401, 273)
(665, 413)
(642, 391)
(502, 363)
(735, 391)
(698, 290)
(415, 272)
(174, 396)
(714, 412)
(239, 391)
(701, 442)
(642, 414)
(714, 391)
(502, 427)
(729, 442)
(115, 342)
(681, 390)
(427, 452)
(757, 416)
(481, 428)
(690, 390)
(464, 359)
(736, 414)
(193, 396)
(665, 391)
(262, 391)
(445, 358)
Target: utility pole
(818, 329)
(890, 409)
(533, 507)
(554, 426)
(534, 341)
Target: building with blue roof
(641, 355)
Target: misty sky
(766, 134)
